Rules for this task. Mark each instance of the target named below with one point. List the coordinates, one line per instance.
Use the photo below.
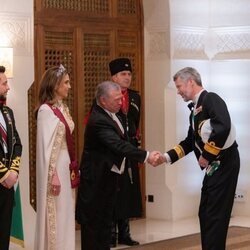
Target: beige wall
(212, 36)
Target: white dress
(55, 224)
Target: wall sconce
(6, 60)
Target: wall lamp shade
(6, 60)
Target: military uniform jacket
(104, 146)
(129, 201)
(209, 106)
(10, 161)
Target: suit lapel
(110, 120)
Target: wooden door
(84, 35)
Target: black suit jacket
(104, 146)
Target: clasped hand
(156, 158)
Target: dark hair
(2, 69)
(50, 80)
(188, 73)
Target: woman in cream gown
(55, 227)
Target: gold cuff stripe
(2, 165)
(179, 151)
(5, 176)
(211, 148)
(3, 170)
(16, 161)
(14, 168)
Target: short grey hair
(188, 73)
(104, 88)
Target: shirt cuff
(146, 157)
(168, 159)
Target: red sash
(125, 101)
(73, 166)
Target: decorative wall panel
(158, 46)
(16, 32)
(211, 43)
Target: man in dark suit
(102, 165)
(129, 200)
(216, 152)
(10, 153)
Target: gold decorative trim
(211, 148)
(179, 151)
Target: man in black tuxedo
(129, 200)
(10, 154)
(102, 165)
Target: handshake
(156, 158)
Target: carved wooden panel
(58, 49)
(32, 143)
(97, 6)
(127, 7)
(96, 55)
(127, 47)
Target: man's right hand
(156, 158)
(11, 180)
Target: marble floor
(150, 230)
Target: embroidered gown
(55, 227)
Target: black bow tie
(191, 106)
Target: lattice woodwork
(95, 64)
(127, 7)
(127, 46)
(97, 6)
(53, 38)
(59, 50)
(54, 57)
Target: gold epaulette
(179, 151)
(211, 148)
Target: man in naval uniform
(210, 136)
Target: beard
(2, 100)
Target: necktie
(4, 136)
(191, 106)
(117, 121)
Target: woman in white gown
(55, 227)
